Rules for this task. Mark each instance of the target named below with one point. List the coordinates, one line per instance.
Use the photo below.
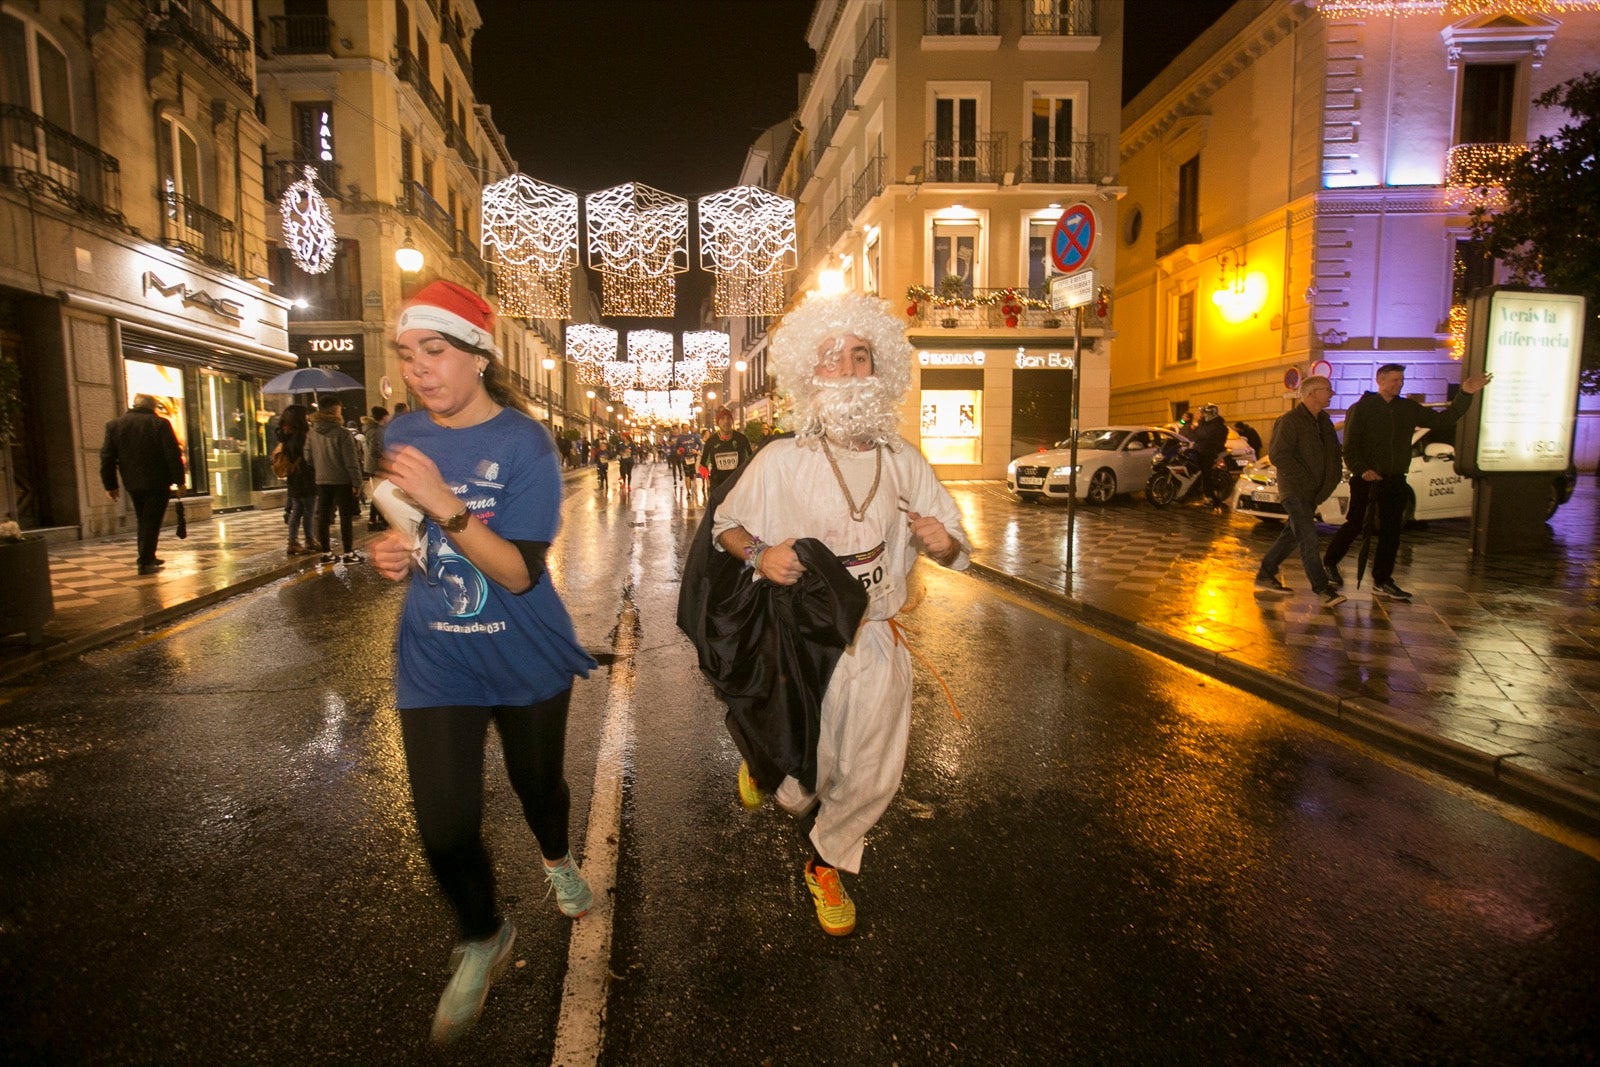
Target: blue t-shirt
(463, 638)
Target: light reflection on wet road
(1107, 858)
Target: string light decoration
(308, 225)
(589, 347)
(620, 376)
(660, 405)
(710, 346)
(747, 241)
(639, 242)
(530, 230)
(1453, 8)
(690, 374)
(1458, 331)
(1475, 174)
(651, 351)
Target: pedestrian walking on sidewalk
(1305, 454)
(483, 636)
(1378, 430)
(372, 427)
(141, 445)
(849, 484)
(299, 480)
(337, 467)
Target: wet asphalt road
(210, 859)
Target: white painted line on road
(580, 1030)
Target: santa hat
(452, 310)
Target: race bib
(868, 569)
(727, 461)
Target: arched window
(33, 77)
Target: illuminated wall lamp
(1243, 298)
(407, 257)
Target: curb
(1501, 774)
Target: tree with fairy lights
(1548, 231)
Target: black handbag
(183, 521)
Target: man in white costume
(849, 480)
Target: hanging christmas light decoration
(747, 241)
(620, 375)
(308, 225)
(531, 232)
(690, 374)
(639, 242)
(711, 346)
(1454, 8)
(589, 347)
(651, 352)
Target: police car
(1435, 490)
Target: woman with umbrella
(483, 635)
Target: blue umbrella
(310, 380)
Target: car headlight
(1011, 469)
(1061, 472)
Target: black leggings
(444, 757)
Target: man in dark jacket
(1377, 450)
(332, 450)
(141, 444)
(1305, 454)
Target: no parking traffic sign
(1072, 241)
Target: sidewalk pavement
(1492, 673)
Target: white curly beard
(851, 411)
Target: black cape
(769, 649)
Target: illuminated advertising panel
(1531, 340)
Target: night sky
(671, 93)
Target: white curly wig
(796, 342)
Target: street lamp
(407, 257)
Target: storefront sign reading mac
(950, 359)
(1043, 360)
(221, 305)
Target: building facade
(938, 144)
(135, 258)
(1299, 187)
(378, 100)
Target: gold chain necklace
(857, 514)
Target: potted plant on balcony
(951, 289)
(25, 600)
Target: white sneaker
(476, 963)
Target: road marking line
(580, 1027)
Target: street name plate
(1068, 291)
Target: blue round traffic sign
(1072, 241)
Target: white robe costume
(790, 491)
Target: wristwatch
(457, 522)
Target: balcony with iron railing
(1060, 18)
(874, 46)
(1171, 238)
(410, 71)
(301, 35)
(282, 173)
(958, 18)
(456, 138)
(467, 248)
(458, 46)
(206, 30)
(421, 203)
(46, 161)
(1064, 162)
(196, 229)
(868, 185)
(843, 101)
(976, 159)
(1014, 308)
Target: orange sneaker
(835, 910)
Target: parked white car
(1114, 459)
